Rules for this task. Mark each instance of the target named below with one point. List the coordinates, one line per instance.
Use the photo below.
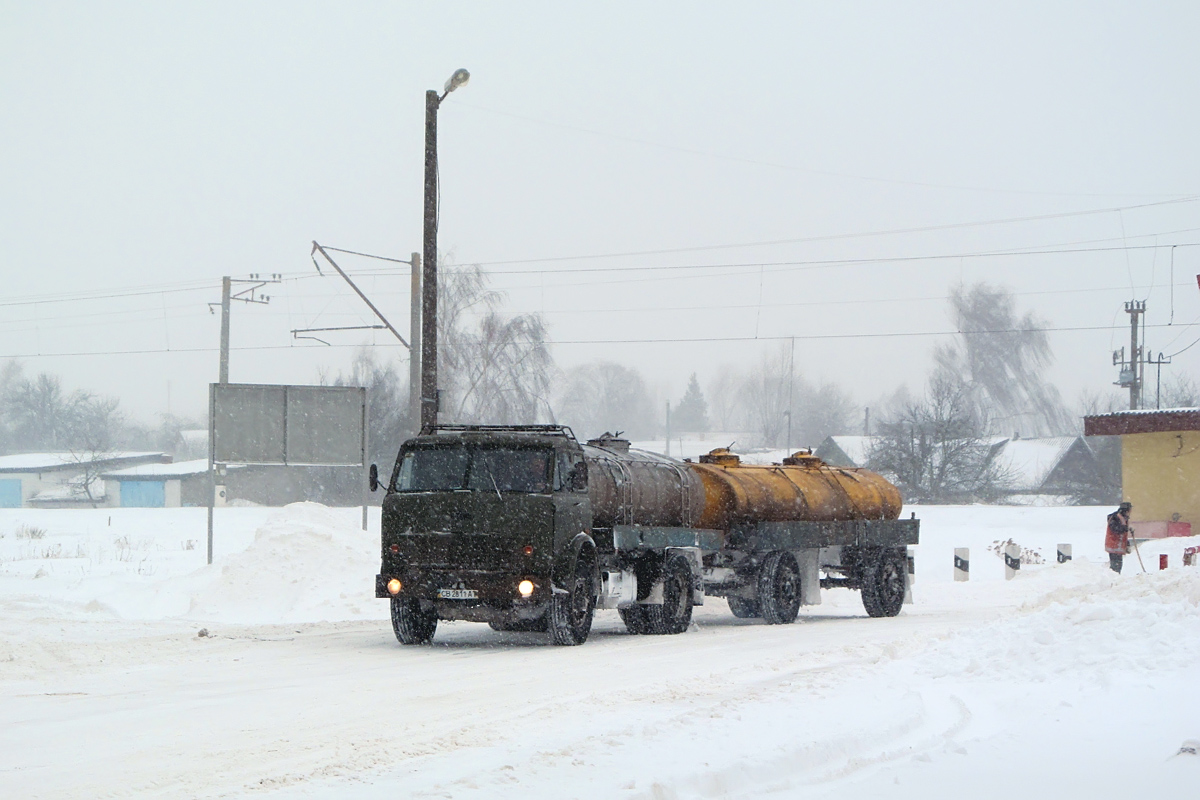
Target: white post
(1064, 553)
(962, 563)
(1012, 560)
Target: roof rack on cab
(541, 430)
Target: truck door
(572, 507)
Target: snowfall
(129, 668)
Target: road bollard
(1012, 561)
(1162, 560)
(1064, 553)
(962, 563)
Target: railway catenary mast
(523, 528)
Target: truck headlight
(525, 588)
(394, 586)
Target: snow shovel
(1135, 549)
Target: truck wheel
(634, 618)
(410, 623)
(675, 613)
(743, 607)
(883, 584)
(569, 618)
(779, 588)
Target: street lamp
(429, 390)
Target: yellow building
(1160, 463)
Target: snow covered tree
(691, 414)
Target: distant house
(184, 483)
(1160, 465)
(1052, 469)
(62, 480)
(1050, 466)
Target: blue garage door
(10, 492)
(143, 494)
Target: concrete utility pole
(223, 373)
(429, 388)
(1135, 309)
(247, 295)
(414, 350)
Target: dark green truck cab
(491, 525)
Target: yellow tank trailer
(802, 488)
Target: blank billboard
(298, 425)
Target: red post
(1162, 560)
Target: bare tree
(724, 402)
(936, 452)
(388, 422)
(94, 430)
(1180, 392)
(765, 393)
(604, 396)
(1001, 358)
(491, 369)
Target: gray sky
(149, 149)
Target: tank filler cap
(803, 458)
(611, 441)
(721, 457)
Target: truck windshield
(479, 469)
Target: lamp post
(429, 390)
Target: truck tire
(883, 584)
(779, 588)
(743, 607)
(411, 624)
(569, 618)
(634, 618)
(675, 613)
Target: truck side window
(562, 471)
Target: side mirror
(373, 478)
(579, 477)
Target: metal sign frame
(291, 445)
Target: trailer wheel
(569, 617)
(634, 618)
(410, 623)
(743, 607)
(883, 584)
(675, 613)
(779, 588)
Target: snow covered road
(1067, 681)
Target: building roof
(1148, 420)
(179, 469)
(856, 449)
(1029, 462)
(51, 462)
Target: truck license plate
(458, 594)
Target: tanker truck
(526, 529)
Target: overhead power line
(680, 340)
(844, 236)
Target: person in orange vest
(1116, 541)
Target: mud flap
(696, 560)
(810, 575)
